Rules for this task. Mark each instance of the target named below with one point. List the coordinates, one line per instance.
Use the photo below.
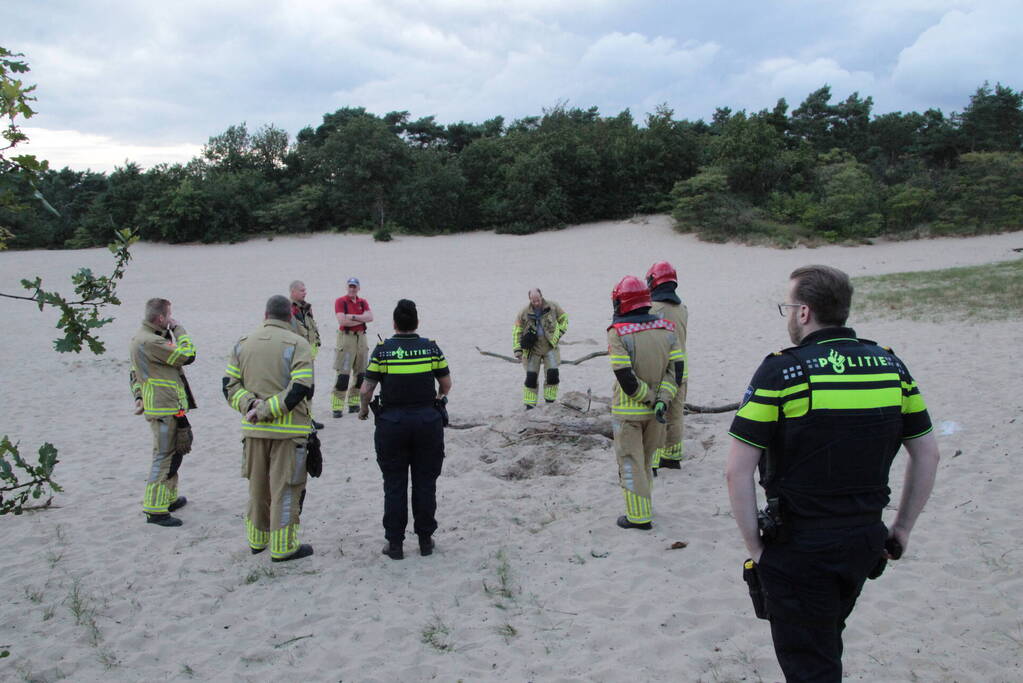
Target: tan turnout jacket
(651, 349)
(157, 376)
(266, 364)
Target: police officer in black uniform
(410, 422)
(823, 421)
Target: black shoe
(304, 550)
(339, 413)
(624, 523)
(425, 546)
(179, 503)
(529, 407)
(163, 520)
(317, 425)
(393, 550)
(549, 400)
(654, 470)
(256, 551)
(671, 464)
(353, 409)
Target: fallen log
(512, 359)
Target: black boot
(179, 503)
(624, 523)
(425, 545)
(163, 520)
(671, 464)
(393, 550)
(304, 550)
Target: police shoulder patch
(746, 396)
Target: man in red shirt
(352, 313)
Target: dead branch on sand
(512, 359)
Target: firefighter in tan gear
(646, 359)
(352, 313)
(158, 352)
(303, 324)
(274, 398)
(662, 280)
(538, 329)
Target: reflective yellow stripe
(856, 399)
(414, 368)
(258, 539)
(913, 404)
(778, 393)
(637, 508)
(878, 377)
(758, 412)
(274, 428)
(797, 407)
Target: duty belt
(805, 523)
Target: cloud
(153, 75)
(100, 153)
(771, 79)
(950, 59)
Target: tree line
(822, 171)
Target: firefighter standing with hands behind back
(647, 362)
(274, 398)
(662, 281)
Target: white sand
(531, 579)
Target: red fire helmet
(659, 273)
(629, 294)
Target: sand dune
(531, 579)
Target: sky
(151, 82)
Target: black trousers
(409, 440)
(811, 584)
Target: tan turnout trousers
(276, 471)
(635, 444)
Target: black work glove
(660, 408)
(313, 456)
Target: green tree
(993, 121)
(360, 160)
(79, 319)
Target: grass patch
(261, 573)
(993, 291)
(437, 635)
(504, 587)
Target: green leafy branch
(14, 493)
(79, 319)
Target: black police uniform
(409, 430)
(830, 415)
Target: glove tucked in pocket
(182, 435)
(313, 456)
